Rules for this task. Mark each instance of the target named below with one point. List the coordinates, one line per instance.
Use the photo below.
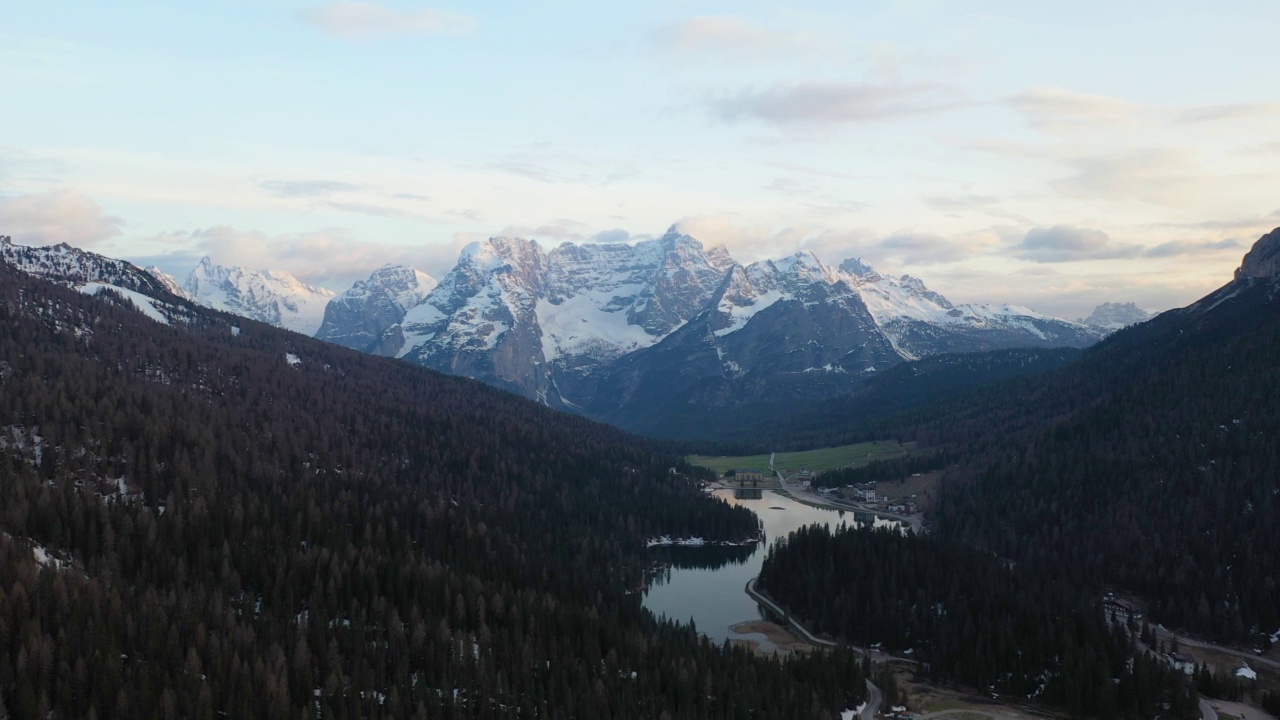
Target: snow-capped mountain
(1114, 316)
(358, 317)
(543, 323)
(169, 282)
(776, 330)
(920, 322)
(270, 296)
(93, 274)
(73, 266)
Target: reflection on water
(709, 557)
(707, 585)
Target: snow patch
(740, 315)
(292, 359)
(143, 304)
(1247, 673)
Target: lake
(707, 584)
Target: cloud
(728, 36)
(959, 202)
(367, 20)
(1160, 176)
(1055, 109)
(56, 216)
(1193, 247)
(812, 103)
(332, 257)
(1237, 111)
(1064, 243)
(918, 248)
(307, 188)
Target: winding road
(874, 696)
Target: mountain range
(624, 331)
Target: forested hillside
(967, 617)
(1152, 464)
(228, 520)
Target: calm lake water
(707, 585)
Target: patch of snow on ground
(292, 359)
(144, 304)
(1247, 673)
(235, 331)
(851, 714)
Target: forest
(1149, 465)
(223, 519)
(967, 617)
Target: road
(915, 522)
(874, 696)
(1206, 710)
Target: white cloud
(56, 216)
(729, 36)
(332, 258)
(1160, 176)
(1065, 243)
(1055, 109)
(364, 20)
(814, 103)
(1237, 111)
(308, 188)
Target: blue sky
(1004, 151)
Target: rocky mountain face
(1114, 316)
(270, 296)
(543, 323)
(777, 330)
(358, 317)
(795, 329)
(603, 329)
(1263, 259)
(169, 282)
(920, 322)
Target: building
(748, 475)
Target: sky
(1055, 155)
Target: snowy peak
(1114, 316)
(169, 282)
(358, 317)
(1263, 259)
(855, 267)
(271, 296)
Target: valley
(814, 461)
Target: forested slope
(201, 522)
(1152, 464)
(967, 617)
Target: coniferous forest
(229, 520)
(1151, 465)
(969, 618)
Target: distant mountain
(543, 323)
(358, 317)
(169, 282)
(797, 330)
(665, 323)
(271, 296)
(1114, 316)
(920, 322)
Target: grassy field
(815, 460)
